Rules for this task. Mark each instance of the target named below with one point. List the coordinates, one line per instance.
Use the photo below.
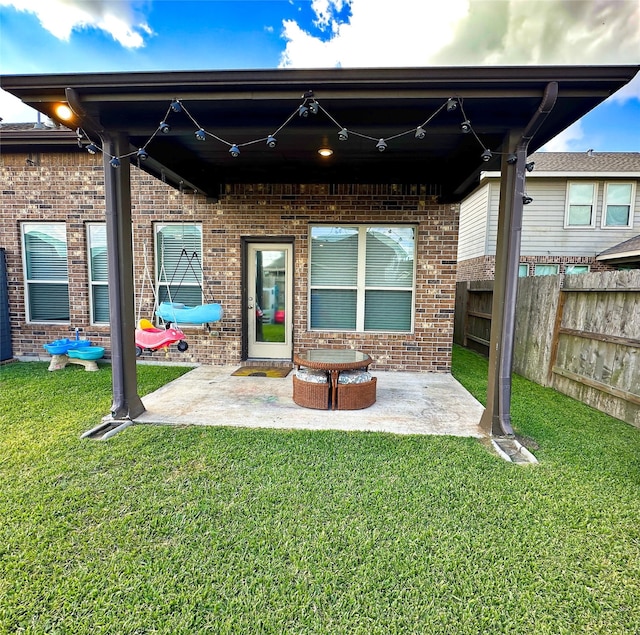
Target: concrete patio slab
(407, 403)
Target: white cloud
(630, 91)
(119, 19)
(13, 109)
(405, 33)
(466, 32)
(567, 141)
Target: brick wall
(483, 267)
(70, 188)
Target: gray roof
(586, 161)
(627, 250)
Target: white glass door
(269, 300)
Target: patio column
(117, 185)
(496, 419)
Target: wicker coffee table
(340, 397)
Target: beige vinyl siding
(473, 224)
(543, 229)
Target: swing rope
(188, 267)
(146, 275)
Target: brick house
(61, 192)
(583, 205)
(350, 177)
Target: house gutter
(496, 419)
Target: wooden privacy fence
(580, 335)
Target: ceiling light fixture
(487, 155)
(381, 145)
(92, 148)
(325, 152)
(142, 154)
(465, 126)
(421, 133)
(115, 162)
(201, 135)
(452, 104)
(272, 142)
(313, 107)
(164, 127)
(176, 106)
(234, 151)
(64, 112)
(343, 135)
(303, 111)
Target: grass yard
(204, 530)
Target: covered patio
(391, 126)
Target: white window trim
(594, 205)
(361, 287)
(156, 228)
(92, 282)
(631, 205)
(28, 281)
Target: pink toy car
(151, 339)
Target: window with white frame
(44, 249)
(574, 269)
(179, 262)
(617, 208)
(362, 278)
(98, 272)
(581, 202)
(546, 270)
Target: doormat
(262, 371)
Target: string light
(309, 105)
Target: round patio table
(333, 361)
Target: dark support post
(496, 419)
(117, 184)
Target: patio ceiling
(244, 106)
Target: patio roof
(242, 107)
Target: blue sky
(61, 36)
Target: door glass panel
(271, 300)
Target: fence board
(535, 318)
(583, 339)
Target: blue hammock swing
(178, 313)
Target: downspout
(496, 419)
(126, 403)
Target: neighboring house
(583, 206)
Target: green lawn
(205, 530)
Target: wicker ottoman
(355, 396)
(310, 394)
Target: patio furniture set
(331, 379)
